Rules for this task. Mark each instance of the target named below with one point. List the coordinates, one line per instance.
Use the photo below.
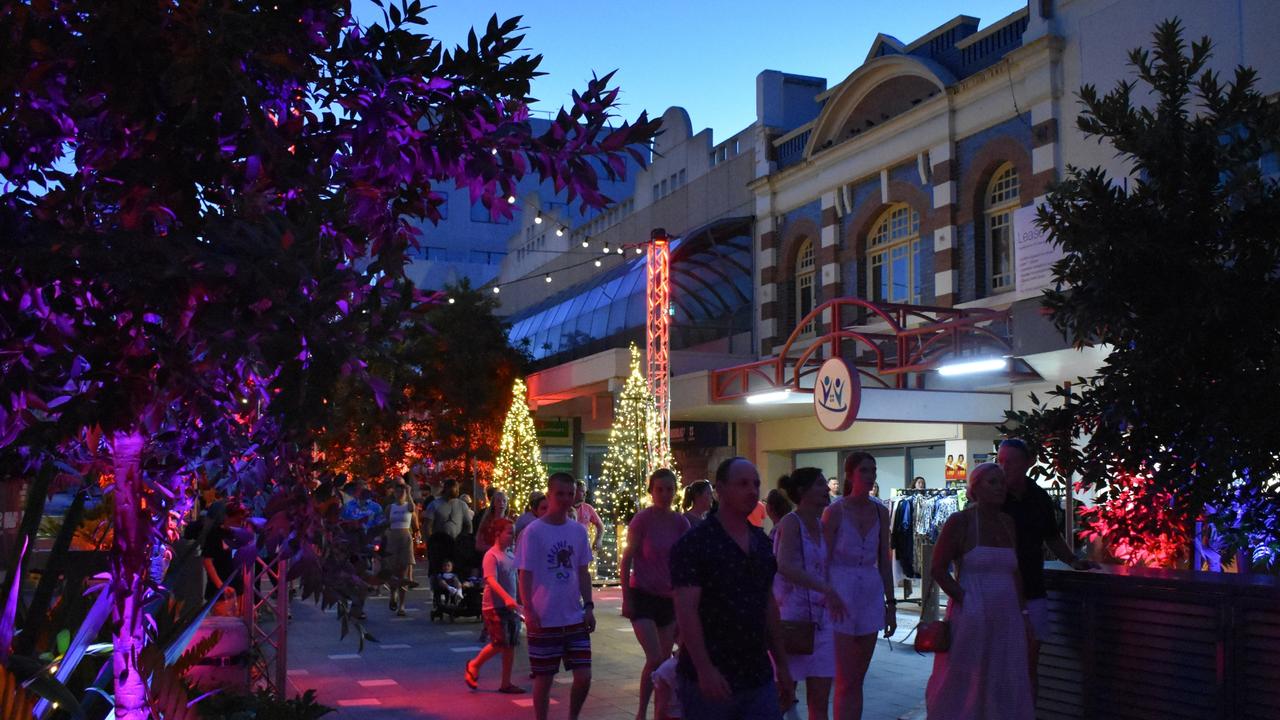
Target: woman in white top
(801, 586)
(856, 530)
(402, 525)
(986, 675)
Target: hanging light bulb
(452, 301)
(639, 250)
(547, 278)
(560, 231)
(494, 152)
(511, 199)
(599, 263)
(537, 220)
(586, 242)
(619, 250)
(606, 249)
(496, 289)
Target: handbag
(798, 635)
(934, 637)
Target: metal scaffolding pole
(658, 332)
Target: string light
(619, 251)
(496, 289)
(452, 300)
(586, 242)
(606, 248)
(511, 199)
(548, 277)
(598, 263)
(560, 231)
(639, 250)
(537, 220)
(494, 152)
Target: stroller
(444, 603)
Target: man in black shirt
(1033, 517)
(219, 565)
(723, 572)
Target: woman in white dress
(986, 674)
(856, 532)
(801, 586)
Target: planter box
(1137, 643)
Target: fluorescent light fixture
(974, 366)
(765, 398)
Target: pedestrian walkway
(415, 669)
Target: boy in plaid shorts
(552, 556)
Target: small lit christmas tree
(519, 471)
(634, 451)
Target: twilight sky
(702, 55)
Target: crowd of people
(732, 621)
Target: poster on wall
(1033, 254)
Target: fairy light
(518, 470)
(632, 453)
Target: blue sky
(702, 55)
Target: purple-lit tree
(204, 214)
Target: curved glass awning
(711, 290)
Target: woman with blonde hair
(986, 673)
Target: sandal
(470, 677)
(512, 690)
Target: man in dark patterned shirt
(723, 572)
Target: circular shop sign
(837, 393)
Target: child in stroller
(454, 597)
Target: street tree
(205, 210)
(1177, 270)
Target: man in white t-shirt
(552, 557)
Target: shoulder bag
(798, 635)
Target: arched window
(894, 257)
(1002, 200)
(805, 277)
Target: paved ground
(415, 669)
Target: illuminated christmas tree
(634, 451)
(519, 471)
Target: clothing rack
(925, 491)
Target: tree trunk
(129, 560)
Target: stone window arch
(895, 259)
(999, 202)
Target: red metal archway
(890, 343)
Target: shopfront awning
(691, 400)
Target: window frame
(806, 278)
(1000, 199)
(883, 240)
